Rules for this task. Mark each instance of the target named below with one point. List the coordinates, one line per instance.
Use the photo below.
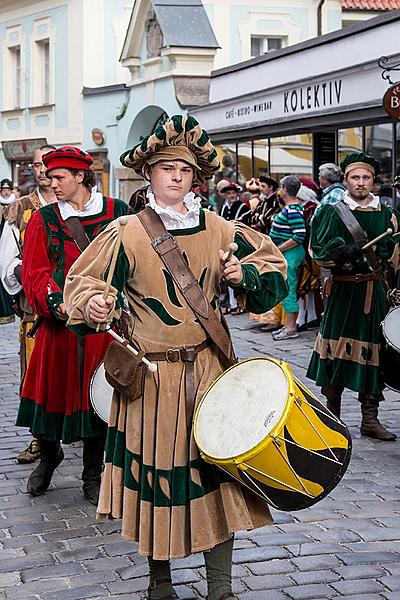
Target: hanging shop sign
(391, 101)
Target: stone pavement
(348, 545)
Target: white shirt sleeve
(9, 259)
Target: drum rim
(384, 328)
(238, 458)
(92, 404)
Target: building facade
(170, 50)
(324, 99)
(50, 50)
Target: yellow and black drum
(258, 423)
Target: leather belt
(358, 278)
(188, 356)
(361, 278)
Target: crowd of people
(75, 264)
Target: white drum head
(241, 408)
(101, 393)
(391, 328)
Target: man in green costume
(347, 351)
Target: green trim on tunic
(348, 346)
(159, 309)
(57, 426)
(171, 290)
(153, 483)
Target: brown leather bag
(124, 371)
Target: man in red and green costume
(55, 395)
(347, 352)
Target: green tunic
(347, 349)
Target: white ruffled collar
(353, 205)
(92, 207)
(173, 219)
(7, 201)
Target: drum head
(391, 328)
(241, 408)
(101, 393)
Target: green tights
(218, 567)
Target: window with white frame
(261, 44)
(44, 62)
(15, 68)
(42, 59)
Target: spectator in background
(269, 205)
(233, 208)
(288, 232)
(330, 178)
(309, 284)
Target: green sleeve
(53, 301)
(262, 292)
(326, 234)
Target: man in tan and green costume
(170, 501)
(347, 351)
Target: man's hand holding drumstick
(230, 265)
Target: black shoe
(170, 593)
(40, 478)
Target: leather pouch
(124, 370)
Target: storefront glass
(227, 159)
(378, 143)
(260, 157)
(291, 155)
(244, 162)
(349, 140)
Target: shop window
(378, 143)
(244, 153)
(227, 159)
(291, 155)
(263, 44)
(261, 157)
(349, 140)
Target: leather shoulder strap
(78, 233)
(356, 231)
(167, 249)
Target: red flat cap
(68, 157)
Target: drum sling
(168, 251)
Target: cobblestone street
(348, 545)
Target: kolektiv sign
(391, 101)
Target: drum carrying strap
(361, 239)
(167, 249)
(354, 227)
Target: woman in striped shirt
(288, 232)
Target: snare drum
(258, 423)
(100, 393)
(390, 356)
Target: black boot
(333, 395)
(370, 425)
(93, 454)
(160, 587)
(51, 455)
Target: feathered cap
(359, 160)
(180, 138)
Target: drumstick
(232, 249)
(149, 365)
(388, 231)
(122, 222)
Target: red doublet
(54, 405)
